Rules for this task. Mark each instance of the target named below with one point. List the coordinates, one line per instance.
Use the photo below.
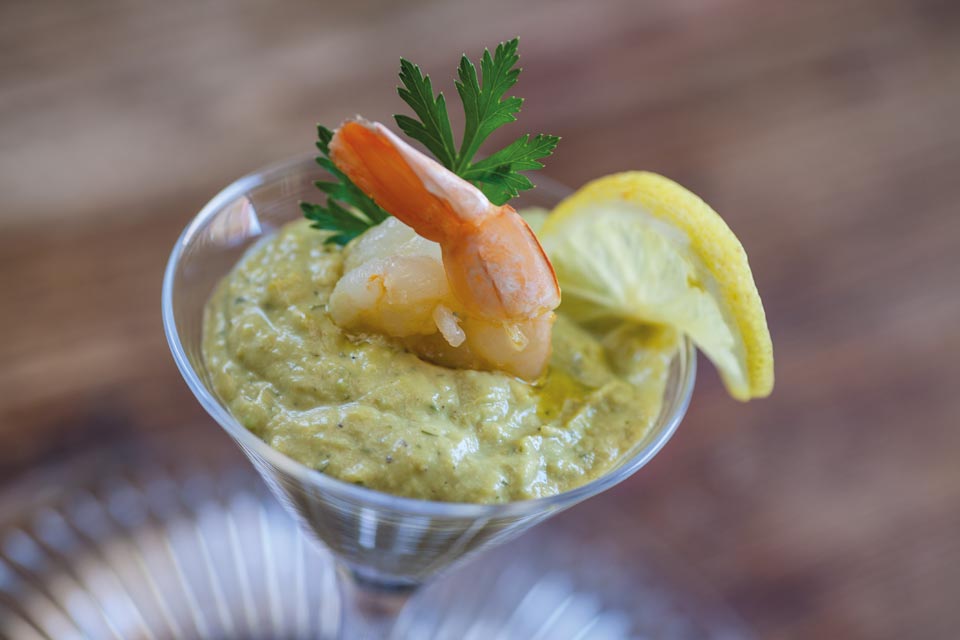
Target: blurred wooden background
(825, 132)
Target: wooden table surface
(826, 133)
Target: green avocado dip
(363, 409)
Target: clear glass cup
(385, 545)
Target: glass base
(201, 551)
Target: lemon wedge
(640, 247)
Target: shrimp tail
(416, 189)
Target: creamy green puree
(365, 410)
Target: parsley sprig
(486, 108)
(433, 127)
(348, 211)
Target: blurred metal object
(202, 551)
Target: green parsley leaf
(497, 174)
(346, 224)
(433, 128)
(348, 211)
(485, 109)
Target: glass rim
(372, 497)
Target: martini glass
(385, 546)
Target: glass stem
(368, 610)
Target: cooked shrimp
(393, 283)
(496, 310)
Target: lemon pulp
(637, 246)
